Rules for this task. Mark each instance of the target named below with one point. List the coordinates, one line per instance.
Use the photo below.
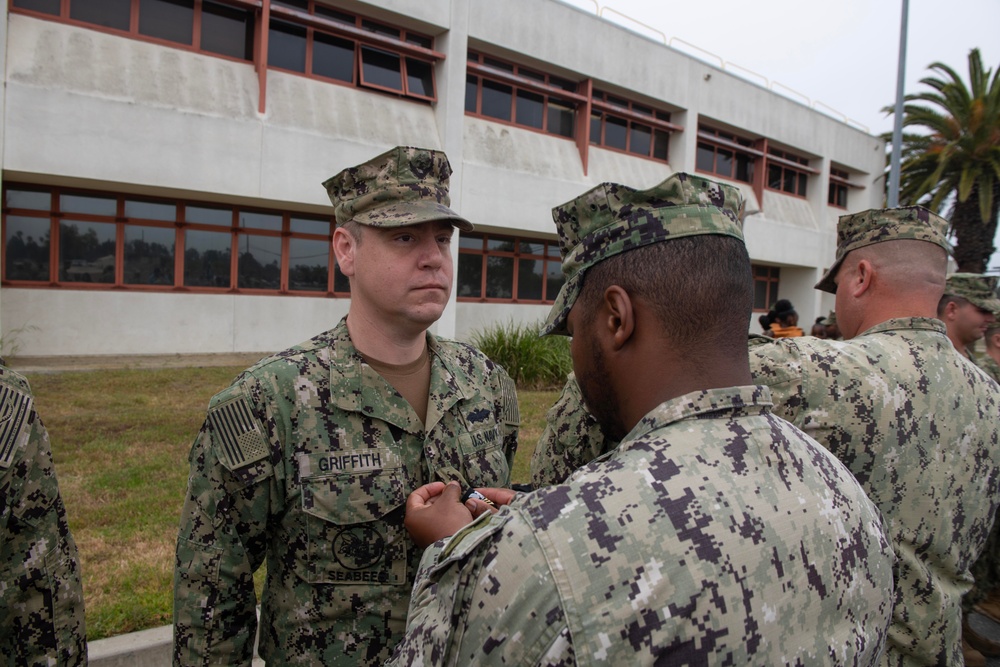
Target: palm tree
(955, 158)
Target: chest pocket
(483, 456)
(354, 522)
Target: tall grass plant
(533, 362)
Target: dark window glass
(333, 57)
(801, 191)
(530, 109)
(499, 277)
(774, 177)
(500, 244)
(565, 84)
(286, 46)
(661, 143)
(91, 205)
(27, 255)
(38, 201)
(496, 100)
(253, 220)
(308, 264)
(108, 13)
(529, 74)
(470, 241)
(419, 78)
(379, 29)
(640, 138)
(149, 210)
(471, 93)
(595, 127)
(789, 185)
(86, 252)
(341, 283)
(259, 262)
(744, 168)
(760, 295)
(560, 118)
(615, 132)
(706, 158)
(724, 162)
(226, 30)
(469, 281)
(149, 255)
(44, 6)
(498, 64)
(529, 279)
(206, 258)
(333, 14)
(172, 20)
(420, 40)
(294, 4)
(837, 195)
(529, 248)
(310, 226)
(208, 216)
(554, 281)
(381, 68)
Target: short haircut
(354, 229)
(700, 288)
(949, 298)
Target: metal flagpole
(897, 126)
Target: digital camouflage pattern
(305, 462)
(917, 425)
(715, 534)
(41, 598)
(611, 218)
(403, 186)
(857, 230)
(978, 289)
(988, 364)
(571, 439)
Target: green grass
(120, 439)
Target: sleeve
(41, 597)
(572, 438)
(231, 496)
(486, 596)
(777, 364)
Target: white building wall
(92, 109)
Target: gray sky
(839, 55)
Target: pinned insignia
(14, 409)
(511, 413)
(239, 435)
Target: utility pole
(897, 126)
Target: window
(837, 195)
(787, 172)
(513, 94)
(105, 240)
(725, 154)
(506, 268)
(224, 29)
(626, 126)
(765, 286)
(316, 40)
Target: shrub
(533, 362)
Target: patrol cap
(976, 288)
(610, 219)
(830, 320)
(403, 186)
(858, 230)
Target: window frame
(181, 224)
(770, 276)
(791, 166)
(550, 256)
(658, 121)
(717, 140)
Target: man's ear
(344, 246)
(862, 278)
(619, 314)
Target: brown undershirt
(412, 380)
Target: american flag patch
(511, 413)
(238, 433)
(15, 406)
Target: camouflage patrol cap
(978, 289)
(858, 230)
(611, 218)
(403, 186)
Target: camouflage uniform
(979, 290)
(917, 425)
(663, 554)
(41, 599)
(305, 462)
(571, 439)
(988, 364)
(714, 534)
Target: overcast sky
(840, 55)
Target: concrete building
(162, 160)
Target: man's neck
(380, 341)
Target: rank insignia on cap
(14, 409)
(240, 438)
